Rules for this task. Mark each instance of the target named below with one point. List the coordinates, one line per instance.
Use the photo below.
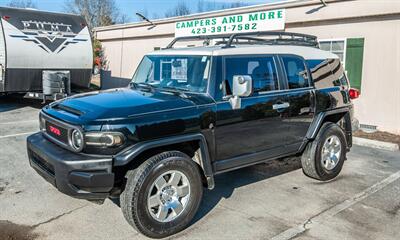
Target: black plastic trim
(130, 153)
(319, 119)
(254, 158)
(75, 174)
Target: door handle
(279, 106)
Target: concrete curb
(375, 144)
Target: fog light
(77, 140)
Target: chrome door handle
(279, 106)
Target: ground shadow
(226, 183)
(16, 101)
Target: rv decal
(49, 36)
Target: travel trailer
(43, 54)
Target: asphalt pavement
(274, 200)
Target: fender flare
(319, 119)
(204, 161)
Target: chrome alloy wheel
(168, 196)
(331, 151)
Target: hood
(119, 103)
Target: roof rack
(206, 38)
(275, 38)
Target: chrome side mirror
(242, 87)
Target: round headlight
(77, 140)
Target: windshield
(183, 73)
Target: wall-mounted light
(147, 20)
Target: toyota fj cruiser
(191, 113)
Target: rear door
(300, 98)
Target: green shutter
(354, 61)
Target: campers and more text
(249, 22)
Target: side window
(261, 69)
(327, 73)
(296, 72)
(338, 72)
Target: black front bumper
(77, 175)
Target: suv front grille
(57, 131)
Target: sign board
(247, 22)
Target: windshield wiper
(175, 89)
(142, 85)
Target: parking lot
(273, 200)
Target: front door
(257, 125)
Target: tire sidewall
(330, 130)
(147, 223)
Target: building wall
(377, 22)
(379, 104)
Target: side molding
(204, 161)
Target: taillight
(354, 93)
(6, 18)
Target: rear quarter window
(327, 73)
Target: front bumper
(75, 174)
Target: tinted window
(261, 69)
(186, 73)
(327, 73)
(338, 72)
(296, 72)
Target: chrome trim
(65, 125)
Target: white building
(364, 33)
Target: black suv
(192, 113)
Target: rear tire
(323, 158)
(162, 195)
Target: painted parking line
(17, 122)
(330, 212)
(17, 134)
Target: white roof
(306, 52)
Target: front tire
(162, 195)
(323, 158)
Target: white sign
(179, 70)
(248, 22)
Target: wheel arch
(341, 116)
(194, 145)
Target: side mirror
(242, 87)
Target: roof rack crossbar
(201, 37)
(282, 38)
(304, 39)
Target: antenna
(147, 20)
(323, 2)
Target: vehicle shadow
(16, 101)
(226, 183)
